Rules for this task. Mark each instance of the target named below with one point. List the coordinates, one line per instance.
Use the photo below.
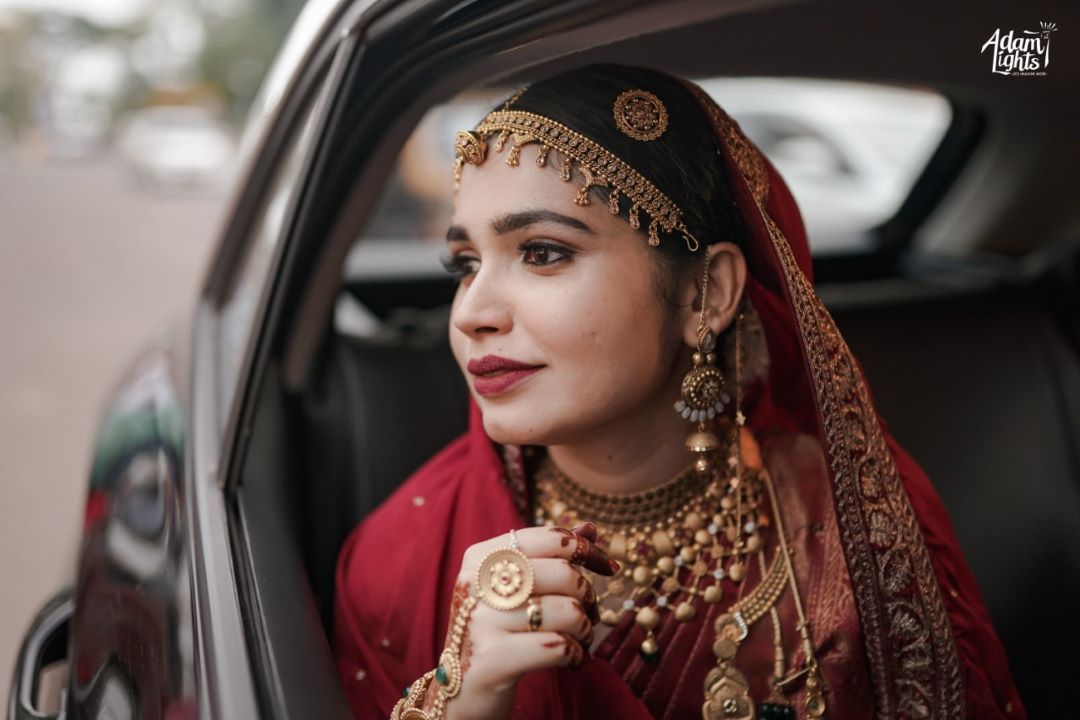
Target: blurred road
(90, 269)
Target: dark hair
(684, 162)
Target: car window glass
(850, 153)
(238, 311)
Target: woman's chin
(507, 432)
(512, 423)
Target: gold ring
(535, 615)
(504, 580)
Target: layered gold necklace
(678, 542)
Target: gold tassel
(459, 163)
(613, 202)
(583, 197)
(512, 157)
(542, 155)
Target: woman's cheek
(458, 348)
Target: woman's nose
(481, 306)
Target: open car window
(850, 152)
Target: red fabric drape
(896, 618)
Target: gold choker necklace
(647, 508)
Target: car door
(282, 138)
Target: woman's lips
(497, 383)
(494, 375)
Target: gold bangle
(408, 707)
(447, 677)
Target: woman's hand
(499, 646)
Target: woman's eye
(543, 254)
(460, 266)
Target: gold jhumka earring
(703, 397)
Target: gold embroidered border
(909, 640)
(884, 544)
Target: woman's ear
(727, 280)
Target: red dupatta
(926, 647)
(929, 642)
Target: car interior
(961, 304)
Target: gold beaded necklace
(679, 540)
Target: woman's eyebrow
(510, 222)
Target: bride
(675, 498)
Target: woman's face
(564, 292)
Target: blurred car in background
(313, 374)
(176, 147)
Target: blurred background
(118, 127)
(119, 122)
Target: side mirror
(45, 644)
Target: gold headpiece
(640, 115)
(637, 113)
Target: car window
(849, 151)
(238, 311)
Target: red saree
(896, 619)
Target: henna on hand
(571, 648)
(575, 651)
(430, 695)
(466, 652)
(462, 590)
(586, 553)
(591, 606)
(586, 530)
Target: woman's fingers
(520, 653)
(558, 613)
(585, 530)
(577, 548)
(563, 650)
(559, 577)
(553, 542)
(501, 644)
